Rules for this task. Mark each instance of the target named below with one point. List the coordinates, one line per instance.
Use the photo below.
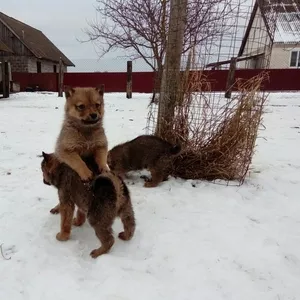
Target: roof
(287, 28)
(284, 31)
(37, 43)
(5, 48)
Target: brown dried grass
(218, 135)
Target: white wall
(281, 53)
(258, 41)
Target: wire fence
(218, 130)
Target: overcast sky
(62, 21)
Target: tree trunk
(171, 73)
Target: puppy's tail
(103, 188)
(175, 149)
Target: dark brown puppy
(108, 198)
(144, 152)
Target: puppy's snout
(93, 116)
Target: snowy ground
(204, 242)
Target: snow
(194, 240)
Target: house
(257, 41)
(28, 49)
(4, 49)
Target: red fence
(143, 82)
(45, 81)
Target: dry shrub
(218, 135)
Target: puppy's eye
(80, 107)
(97, 105)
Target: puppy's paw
(150, 184)
(55, 210)
(96, 252)
(62, 236)
(86, 176)
(104, 169)
(123, 236)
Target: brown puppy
(82, 132)
(144, 152)
(108, 198)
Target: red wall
(280, 80)
(114, 82)
(45, 81)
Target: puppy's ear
(100, 89)
(69, 91)
(46, 156)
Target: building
(4, 50)
(257, 41)
(28, 49)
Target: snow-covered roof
(287, 28)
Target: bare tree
(141, 26)
(171, 74)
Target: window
(39, 67)
(54, 68)
(288, 22)
(295, 59)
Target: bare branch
(140, 26)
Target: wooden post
(5, 78)
(102, 88)
(2, 75)
(230, 78)
(60, 78)
(129, 80)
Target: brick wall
(46, 66)
(29, 64)
(18, 63)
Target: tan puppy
(82, 132)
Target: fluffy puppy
(144, 152)
(82, 133)
(107, 199)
